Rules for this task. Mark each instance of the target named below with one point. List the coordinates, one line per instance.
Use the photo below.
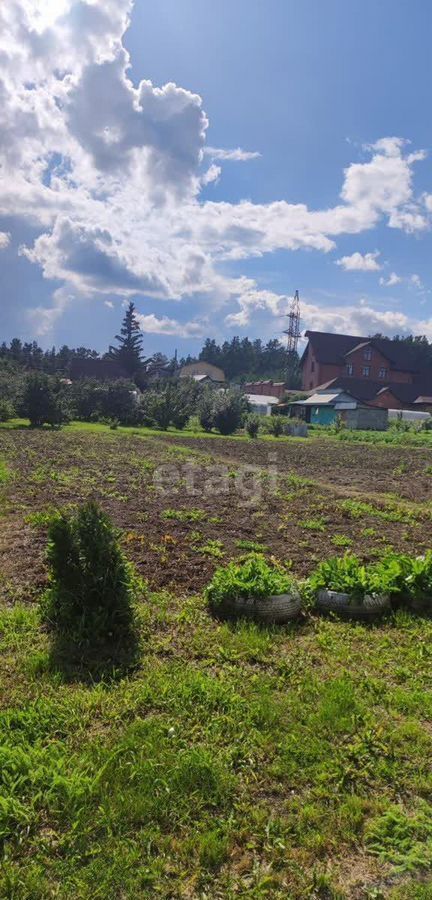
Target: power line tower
(293, 331)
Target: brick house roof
(360, 388)
(365, 391)
(331, 349)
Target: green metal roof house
(324, 406)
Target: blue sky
(293, 152)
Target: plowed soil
(300, 501)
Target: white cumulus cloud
(237, 155)
(360, 263)
(152, 324)
(110, 172)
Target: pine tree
(129, 353)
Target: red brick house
(386, 373)
(275, 388)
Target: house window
(383, 372)
(350, 369)
(366, 371)
(312, 367)
(367, 354)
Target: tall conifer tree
(129, 352)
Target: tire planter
(347, 607)
(275, 610)
(421, 606)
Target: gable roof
(360, 388)
(365, 390)
(331, 349)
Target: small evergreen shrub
(252, 576)
(90, 598)
(252, 426)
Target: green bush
(348, 575)
(252, 426)
(206, 410)
(6, 410)
(229, 409)
(45, 401)
(171, 405)
(253, 576)
(276, 425)
(89, 602)
(106, 400)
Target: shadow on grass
(106, 662)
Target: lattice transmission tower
(293, 331)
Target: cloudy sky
(207, 159)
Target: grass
(244, 760)
(5, 473)
(234, 761)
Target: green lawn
(234, 761)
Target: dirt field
(184, 504)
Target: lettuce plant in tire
(255, 588)
(417, 573)
(347, 586)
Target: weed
(252, 546)
(318, 524)
(212, 548)
(342, 540)
(4, 472)
(184, 515)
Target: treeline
(248, 360)
(240, 359)
(29, 356)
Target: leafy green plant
(92, 588)
(318, 524)
(347, 574)
(276, 425)
(252, 576)
(338, 426)
(404, 840)
(417, 579)
(341, 540)
(252, 546)
(184, 515)
(212, 548)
